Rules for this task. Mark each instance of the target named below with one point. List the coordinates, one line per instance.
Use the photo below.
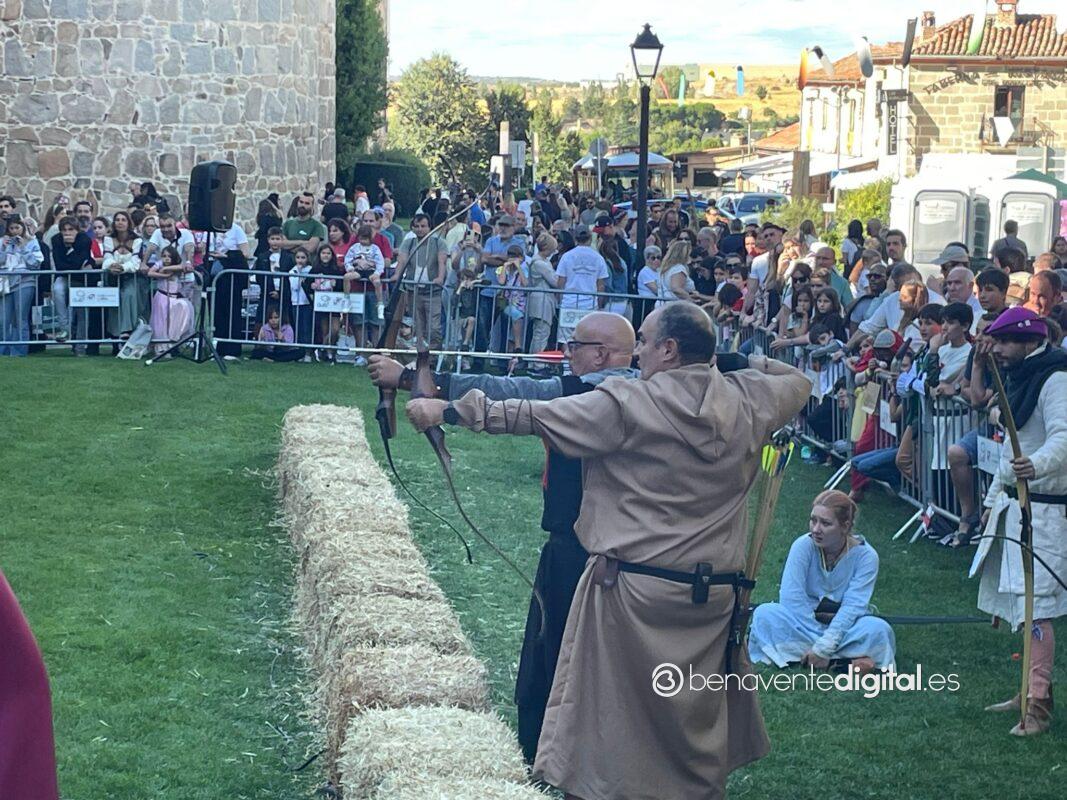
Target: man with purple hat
(1035, 380)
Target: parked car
(748, 206)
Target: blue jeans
(15, 320)
(879, 465)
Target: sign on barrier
(885, 419)
(570, 317)
(94, 296)
(988, 454)
(339, 302)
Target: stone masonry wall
(947, 107)
(97, 93)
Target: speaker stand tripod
(203, 348)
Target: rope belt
(606, 572)
(1037, 497)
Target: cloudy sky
(570, 40)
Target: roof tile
(1033, 36)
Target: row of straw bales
(403, 700)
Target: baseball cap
(952, 253)
(771, 226)
(887, 340)
(878, 269)
(602, 221)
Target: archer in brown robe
(667, 462)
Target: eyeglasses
(574, 344)
(800, 279)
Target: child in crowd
(172, 313)
(273, 337)
(793, 323)
(512, 275)
(328, 325)
(300, 292)
(278, 260)
(952, 349)
(466, 300)
(364, 267)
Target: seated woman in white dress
(822, 609)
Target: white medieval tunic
(784, 632)
(1001, 589)
(666, 467)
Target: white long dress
(785, 631)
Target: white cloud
(569, 41)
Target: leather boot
(1007, 705)
(1038, 717)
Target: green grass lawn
(136, 520)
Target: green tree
(361, 82)
(867, 202)
(439, 117)
(676, 130)
(593, 101)
(557, 150)
(761, 92)
(571, 109)
(508, 102)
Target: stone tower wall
(97, 93)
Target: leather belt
(1037, 497)
(606, 573)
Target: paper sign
(936, 212)
(1025, 212)
(94, 296)
(988, 454)
(339, 302)
(885, 420)
(570, 317)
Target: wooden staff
(1026, 538)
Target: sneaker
(305, 360)
(230, 358)
(360, 361)
(62, 336)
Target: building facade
(95, 95)
(1018, 74)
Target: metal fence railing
(904, 441)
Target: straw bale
(326, 583)
(435, 745)
(389, 621)
(394, 677)
(410, 788)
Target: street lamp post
(646, 51)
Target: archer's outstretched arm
(577, 426)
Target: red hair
(840, 504)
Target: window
(705, 177)
(1008, 102)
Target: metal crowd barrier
(840, 409)
(468, 325)
(87, 308)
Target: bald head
(613, 330)
(601, 341)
